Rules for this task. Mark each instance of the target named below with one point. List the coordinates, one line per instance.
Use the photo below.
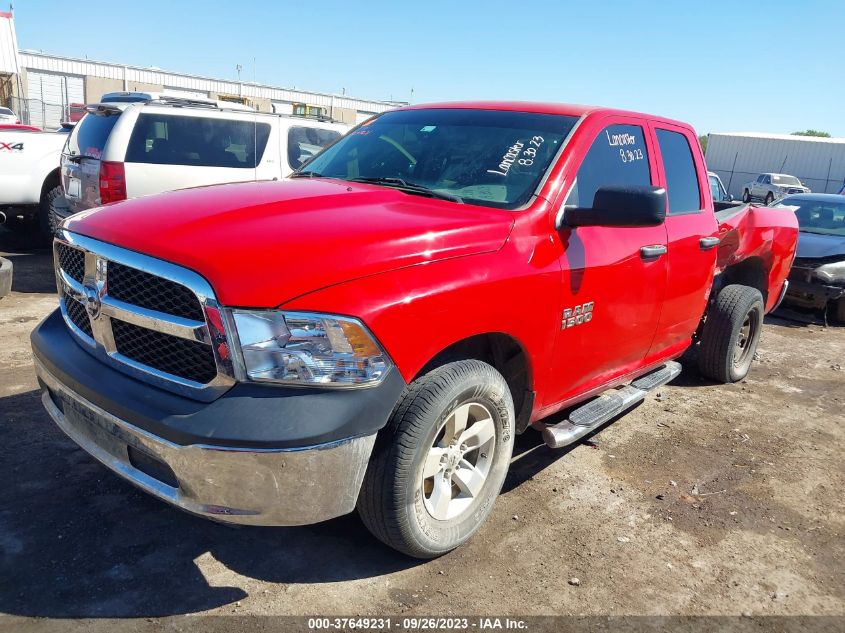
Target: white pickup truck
(29, 177)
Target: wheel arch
(752, 271)
(506, 354)
(53, 179)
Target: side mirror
(730, 197)
(620, 206)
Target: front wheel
(770, 198)
(746, 196)
(440, 463)
(731, 333)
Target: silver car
(771, 187)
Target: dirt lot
(706, 499)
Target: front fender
(418, 311)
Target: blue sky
(723, 66)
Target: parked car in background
(721, 198)
(817, 280)
(75, 112)
(373, 331)
(771, 187)
(29, 177)
(131, 146)
(8, 116)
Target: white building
(739, 157)
(42, 87)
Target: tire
(427, 515)
(46, 216)
(746, 196)
(731, 333)
(770, 198)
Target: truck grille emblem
(92, 302)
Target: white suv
(125, 149)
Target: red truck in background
(373, 332)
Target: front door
(612, 289)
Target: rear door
(82, 156)
(611, 289)
(691, 230)
(168, 151)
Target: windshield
(779, 179)
(487, 157)
(5, 111)
(826, 218)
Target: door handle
(652, 251)
(706, 243)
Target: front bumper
(812, 295)
(258, 455)
(233, 485)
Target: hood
(261, 244)
(815, 245)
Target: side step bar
(596, 412)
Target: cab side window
(681, 177)
(618, 156)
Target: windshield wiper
(305, 174)
(409, 187)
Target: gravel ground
(705, 500)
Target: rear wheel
(770, 197)
(746, 196)
(731, 333)
(439, 465)
(46, 216)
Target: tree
(703, 140)
(812, 133)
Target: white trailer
(739, 157)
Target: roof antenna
(254, 128)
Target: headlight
(308, 349)
(831, 273)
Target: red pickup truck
(373, 332)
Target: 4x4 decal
(11, 147)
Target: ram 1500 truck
(373, 332)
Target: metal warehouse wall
(129, 75)
(819, 163)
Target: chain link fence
(47, 116)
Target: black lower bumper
(248, 415)
(811, 295)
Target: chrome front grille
(72, 261)
(170, 354)
(148, 318)
(149, 291)
(76, 313)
